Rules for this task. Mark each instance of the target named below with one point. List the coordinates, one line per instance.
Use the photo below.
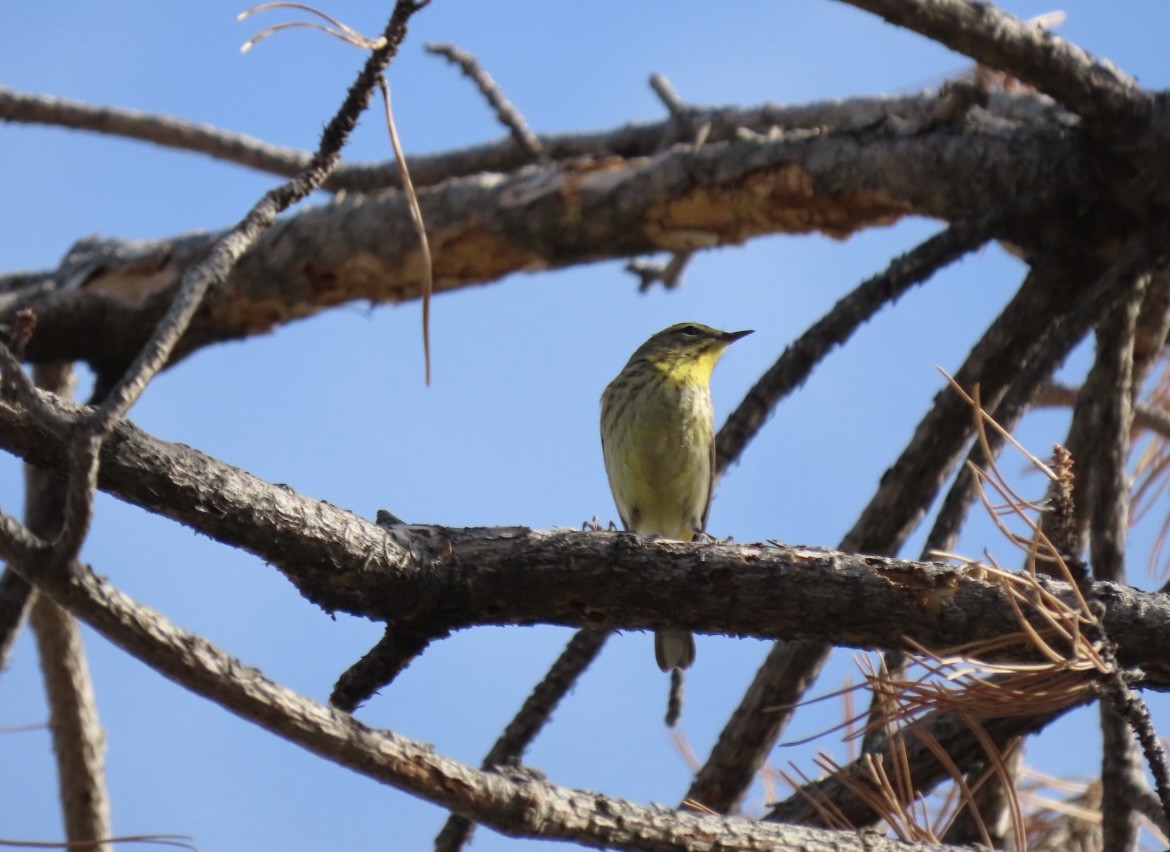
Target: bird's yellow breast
(658, 455)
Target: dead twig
(505, 111)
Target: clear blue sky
(335, 406)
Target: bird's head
(687, 351)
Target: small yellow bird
(658, 438)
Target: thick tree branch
(514, 804)
(108, 296)
(1090, 87)
(631, 140)
(514, 575)
(1099, 441)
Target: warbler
(658, 439)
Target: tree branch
(835, 328)
(1092, 88)
(517, 805)
(513, 575)
(952, 732)
(15, 599)
(109, 296)
(78, 739)
(505, 111)
(631, 140)
(397, 648)
(1099, 441)
(533, 715)
(74, 724)
(903, 496)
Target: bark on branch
(106, 296)
(514, 575)
(517, 803)
(1091, 87)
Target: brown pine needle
(980, 680)
(984, 416)
(182, 841)
(699, 807)
(961, 786)
(831, 816)
(351, 36)
(683, 746)
(419, 226)
(343, 32)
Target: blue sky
(335, 406)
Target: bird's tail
(674, 649)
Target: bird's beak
(732, 336)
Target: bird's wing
(605, 455)
(710, 487)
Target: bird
(658, 440)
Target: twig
(396, 649)
(795, 365)
(747, 737)
(682, 126)
(1145, 416)
(1130, 707)
(508, 115)
(78, 740)
(85, 448)
(579, 653)
(1099, 440)
(685, 126)
(1092, 88)
(653, 272)
(1028, 385)
(670, 99)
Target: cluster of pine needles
(1052, 663)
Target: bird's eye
(689, 330)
